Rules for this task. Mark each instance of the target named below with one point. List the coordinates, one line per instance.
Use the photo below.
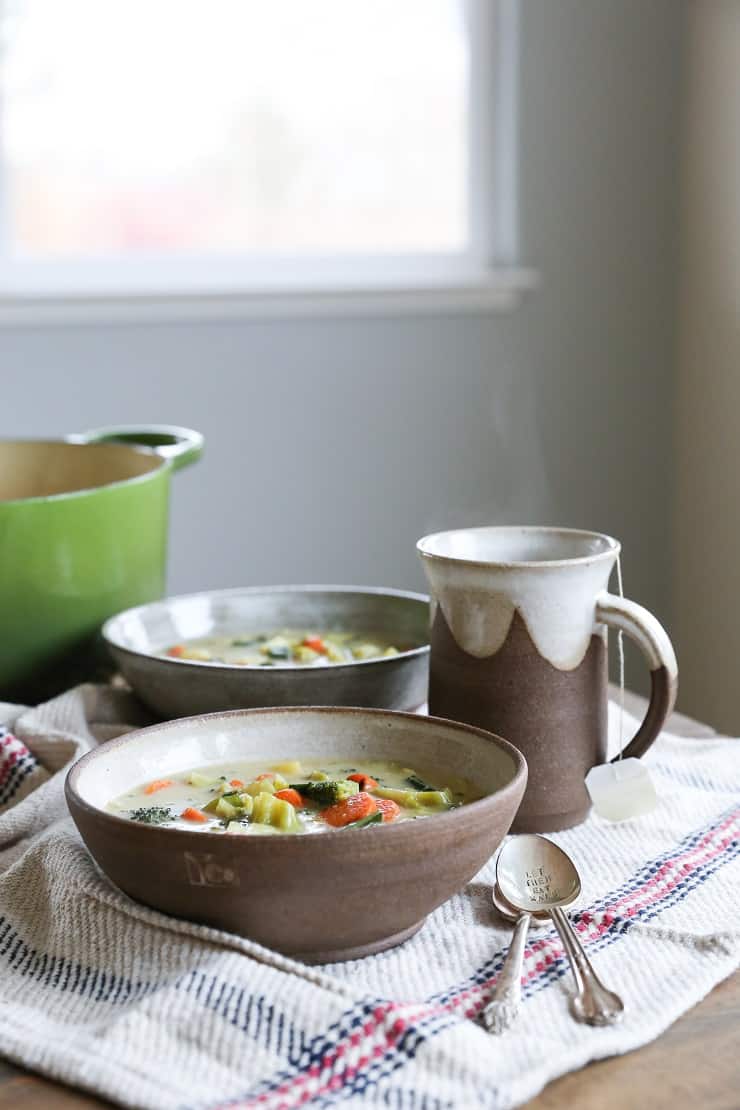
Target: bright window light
(168, 127)
(152, 150)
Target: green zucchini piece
(417, 783)
(416, 799)
(433, 799)
(363, 822)
(405, 798)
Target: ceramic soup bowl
(333, 896)
(182, 687)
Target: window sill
(495, 290)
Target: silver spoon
(507, 994)
(533, 874)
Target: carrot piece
(388, 808)
(176, 651)
(265, 775)
(351, 809)
(158, 784)
(290, 795)
(191, 814)
(316, 644)
(236, 782)
(365, 781)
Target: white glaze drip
(557, 603)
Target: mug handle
(180, 446)
(652, 639)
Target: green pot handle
(180, 446)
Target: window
(156, 147)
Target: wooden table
(695, 1064)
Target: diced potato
(260, 786)
(290, 767)
(196, 779)
(390, 651)
(303, 654)
(198, 654)
(269, 810)
(226, 809)
(334, 653)
(241, 828)
(246, 801)
(366, 651)
(279, 782)
(316, 776)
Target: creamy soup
(286, 648)
(294, 796)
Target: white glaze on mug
(553, 577)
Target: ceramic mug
(519, 647)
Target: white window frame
(487, 278)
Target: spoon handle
(507, 995)
(593, 1003)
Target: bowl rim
(109, 634)
(404, 828)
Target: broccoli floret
(152, 815)
(328, 792)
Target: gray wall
(332, 445)
(706, 522)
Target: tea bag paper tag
(621, 790)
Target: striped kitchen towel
(20, 770)
(152, 1012)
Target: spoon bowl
(533, 874)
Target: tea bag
(622, 789)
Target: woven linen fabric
(153, 1012)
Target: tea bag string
(620, 653)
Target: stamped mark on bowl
(203, 870)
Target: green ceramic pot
(83, 534)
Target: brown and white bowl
(138, 638)
(333, 896)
